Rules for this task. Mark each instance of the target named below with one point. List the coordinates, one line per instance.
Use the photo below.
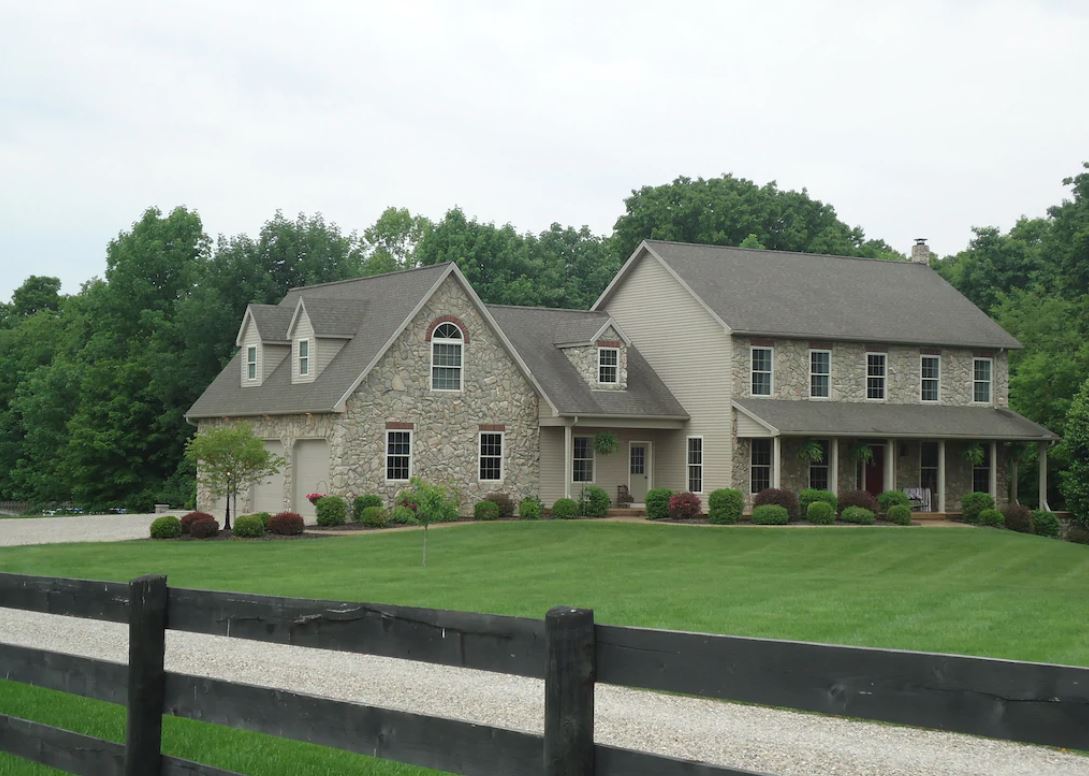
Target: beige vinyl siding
(747, 427)
(551, 463)
(691, 352)
(251, 338)
(271, 357)
(303, 330)
(326, 350)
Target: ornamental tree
(230, 459)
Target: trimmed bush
(402, 516)
(166, 527)
(191, 518)
(684, 506)
(332, 510)
(820, 513)
(857, 498)
(1018, 518)
(362, 502)
(248, 526)
(594, 502)
(377, 516)
(973, 504)
(787, 499)
(725, 505)
(770, 514)
(565, 508)
(203, 529)
(858, 515)
(893, 498)
(264, 518)
(529, 509)
(657, 503)
(809, 495)
(286, 524)
(486, 510)
(442, 503)
(1045, 523)
(990, 518)
(1077, 534)
(899, 514)
(503, 501)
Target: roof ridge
(370, 277)
(547, 309)
(895, 262)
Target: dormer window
(608, 366)
(447, 343)
(304, 357)
(251, 362)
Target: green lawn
(972, 591)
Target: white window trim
(884, 375)
(299, 356)
(461, 372)
(990, 382)
(826, 463)
(411, 452)
(254, 364)
(592, 459)
(812, 373)
(617, 367)
(752, 465)
(771, 372)
(502, 455)
(688, 464)
(923, 357)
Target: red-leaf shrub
(286, 524)
(203, 529)
(503, 501)
(684, 506)
(857, 498)
(787, 499)
(1018, 518)
(192, 517)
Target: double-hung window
(398, 455)
(820, 374)
(695, 464)
(491, 456)
(760, 466)
(762, 364)
(818, 470)
(582, 463)
(981, 472)
(928, 467)
(608, 366)
(981, 380)
(875, 375)
(447, 344)
(251, 362)
(304, 357)
(930, 375)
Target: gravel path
(81, 528)
(771, 741)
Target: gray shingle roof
(872, 419)
(776, 293)
(386, 300)
(335, 317)
(272, 321)
(533, 332)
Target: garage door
(268, 496)
(311, 472)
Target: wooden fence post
(147, 679)
(569, 692)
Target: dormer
(598, 349)
(318, 330)
(261, 342)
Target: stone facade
(584, 359)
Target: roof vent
(920, 251)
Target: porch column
(941, 475)
(890, 464)
(1043, 477)
(568, 461)
(992, 475)
(776, 456)
(833, 465)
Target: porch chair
(623, 497)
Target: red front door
(875, 470)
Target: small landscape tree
(229, 459)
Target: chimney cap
(920, 241)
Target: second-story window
(304, 357)
(981, 380)
(608, 365)
(930, 375)
(446, 358)
(762, 365)
(875, 375)
(820, 374)
(251, 362)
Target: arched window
(447, 342)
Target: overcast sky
(921, 119)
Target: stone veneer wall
(584, 359)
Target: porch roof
(873, 419)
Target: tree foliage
(1075, 480)
(230, 459)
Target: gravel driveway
(82, 528)
(771, 741)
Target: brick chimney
(920, 251)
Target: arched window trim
(444, 370)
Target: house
(711, 366)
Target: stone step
(627, 512)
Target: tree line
(96, 384)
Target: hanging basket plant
(973, 454)
(811, 452)
(861, 453)
(605, 443)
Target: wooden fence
(1025, 702)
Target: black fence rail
(1015, 701)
